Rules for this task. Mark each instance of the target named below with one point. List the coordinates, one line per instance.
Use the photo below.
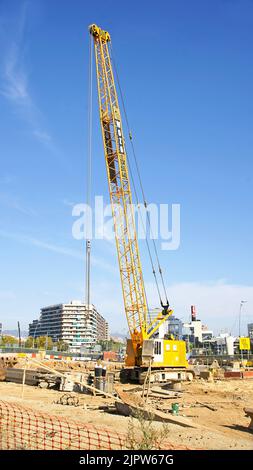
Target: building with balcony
(250, 331)
(75, 323)
(175, 327)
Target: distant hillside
(23, 333)
(119, 335)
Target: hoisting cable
(146, 239)
(140, 179)
(147, 244)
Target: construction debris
(68, 399)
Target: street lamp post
(240, 314)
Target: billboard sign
(244, 344)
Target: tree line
(42, 342)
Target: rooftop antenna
(240, 314)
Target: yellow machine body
(166, 353)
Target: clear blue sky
(186, 68)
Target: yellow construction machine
(145, 349)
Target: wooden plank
(163, 397)
(206, 405)
(165, 392)
(152, 414)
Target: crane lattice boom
(120, 191)
(135, 301)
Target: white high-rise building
(74, 323)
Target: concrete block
(205, 374)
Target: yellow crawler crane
(167, 357)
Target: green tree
(110, 345)
(29, 343)
(61, 346)
(44, 342)
(6, 339)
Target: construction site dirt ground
(224, 428)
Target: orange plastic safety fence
(23, 428)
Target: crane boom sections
(120, 191)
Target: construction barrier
(244, 374)
(24, 429)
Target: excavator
(148, 348)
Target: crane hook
(165, 308)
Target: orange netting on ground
(22, 428)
